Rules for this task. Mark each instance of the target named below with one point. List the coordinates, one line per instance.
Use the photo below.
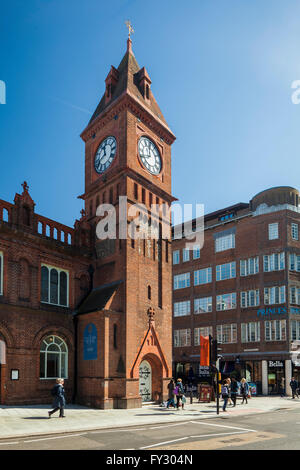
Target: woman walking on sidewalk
(228, 381)
(171, 386)
(59, 402)
(225, 393)
(244, 390)
(180, 392)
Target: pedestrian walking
(171, 386)
(225, 393)
(244, 390)
(234, 390)
(294, 387)
(282, 387)
(59, 402)
(228, 381)
(179, 394)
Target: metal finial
(130, 28)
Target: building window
(143, 196)
(196, 251)
(182, 338)
(273, 231)
(225, 271)
(176, 257)
(275, 330)
(54, 286)
(227, 333)
(136, 194)
(149, 292)
(53, 358)
(182, 308)
(274, 295)
(295, 330)
(115, 336)
(203, 305)
(294, 231)
(225, 242)
(250, 332)
(274, 262)
(185, 255)
(249, 266)
(111, 196)
(294, 262)
(202, 276)
(226, 301)
(203, 331)
(181, 281)
(295, 295)
(250, 298)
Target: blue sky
(221, 72)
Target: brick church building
(95, 312)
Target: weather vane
(130, 28)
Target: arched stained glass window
(53, 358)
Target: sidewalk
(20, 421)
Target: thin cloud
(71, 105)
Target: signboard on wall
(276, 364)
(90, 343)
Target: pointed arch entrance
(150, 378)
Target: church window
(149, 292)
(150, 199)
(115, 336)
(53, 358)
(54, 286)
(136, 194)
(111, 196)
(5, 215)
(143, 196)
(26, 215)
(147, 92)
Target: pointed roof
(128, 71)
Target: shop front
(276, 374)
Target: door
(145, 387)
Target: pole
(217, 381)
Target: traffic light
(214, 351)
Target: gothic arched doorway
(145, 381)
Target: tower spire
(130, 30)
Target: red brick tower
(125, 324)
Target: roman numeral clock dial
(105, 154)
(149, 155)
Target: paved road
(277, 430)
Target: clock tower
(124, 325)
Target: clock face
(149, 155)
(105, 154)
